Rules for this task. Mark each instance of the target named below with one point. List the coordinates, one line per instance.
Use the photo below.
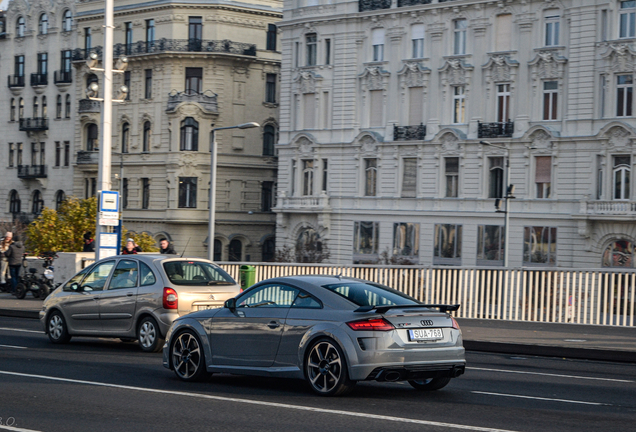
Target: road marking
(22, 330)
(553, 375)
(540, 398)
(263, 403)
(17, 429)
(13, 346)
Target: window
(36, 107)
(377, 40)
(327, 51)
(599, 177)
(58, 107)
(503, 103)
(490, 244)
(20, 27)
(267, 196)
(409, 178)
(271, 37)
(269, 140)
(58, 153)
(543, 176)
(189, 134)
(150, 35)
(417, 40)
(496, 177)
(552, 30)
(503, 28)
(550, 99)
(308, 177)
(125, 137)
(11, 153)
(269, 296)
(459, 104)
(88, 40)
(60, 197)
(96, 279)
(452, 177)
(459, 33)
(38, 203)
(539, 245)
(627, 19)
(124, 193)
(67, 153)
(406, 239)
(187, 192)
(148, 84)
(619, 253)
(92, 140)
(297, 54)
(268, 250)
(293, 177)
(128, 28)
(67, 21)
(127, 84)
(370, 176)
(43, 24)
(365, 239)
(195, 33)
(12, 110)
(310, 43)
(376, 105)
(66, 62)
(19, 66)
(14, 202)
(45, 112)
(622, 177)
(194, 80)
(124, 276)
(67, 109)
(624, 92)
(325, 174)
(448, 244)
(235, 251)
(21, 109)
(147, 136)
(218, 250)
(147, 276)
(145, 193)
(270, 88)
(19, 154)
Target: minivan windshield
(197, 273)
(368, 294)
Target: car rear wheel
(326, 369)
(187, 357)
(56, 328)
(430, 384)
(149, 335)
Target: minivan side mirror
(230, 304)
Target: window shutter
(417, 31)
(377, 36)
(409, 179)
(504, 32)
(309, 107)
(377, 108)
(544, 169)
(415, 105)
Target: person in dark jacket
(131, 248)
(89, 242)
(14, 254)
(166, 247)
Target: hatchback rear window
(367, 294)
(196, 273)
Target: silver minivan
(134, 297)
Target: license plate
(425, 334)
(205, 307)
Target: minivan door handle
(129, 294)
(273, 324)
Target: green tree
(144, 240)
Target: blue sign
(109, 201)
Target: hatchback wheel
(326, 369)
(187, 357)
(149, 335)
(56, 328)
(430, 383)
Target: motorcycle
(39, 286)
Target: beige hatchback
(134, 297)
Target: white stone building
(384, 104)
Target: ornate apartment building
(401, 118)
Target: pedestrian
(89, 242)
(4, 262)
(166, 247)
(14, 255)
(131, 248)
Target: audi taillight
(455, 323)
(374, 324)
(170, 299)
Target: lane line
(540, 398)
(262, 403)
(16, 429)
(13, 346)
(552, 375)
(22, 330)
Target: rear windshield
(368, 294)
(196, 273)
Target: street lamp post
(212, 198)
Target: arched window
(45, 112)
(92, 140)
(125, 137)
(67, 110)
(58, 107)
(619, 253)
(218, 249)
(147, 136)
(269, 139)
(269, 250)
(67, 20)
(189, 134)
(60, 197)
(14, 202)
(38, 203)
(43, 25)
(21, 109)
(235, 250)
(36, 107)
(20, 27)
(12, 112)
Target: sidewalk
(507, 337)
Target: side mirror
(230, 304)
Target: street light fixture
(212, 196)
(510, 189)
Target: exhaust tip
(392, 376)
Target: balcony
(15, 81)
(31, 171)
(39, 79)
(369, 5)
(62, 77)
(207, 100)
(495, 130)
(36, 124)
(409, 133)
(304, 204)
(608, 210)
(404, 3)
(87, 157)
(89, 106)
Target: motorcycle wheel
(45, 290)
(20, 291)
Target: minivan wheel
(149, 335)
(326, 369)
(188, 359)
(56, 328)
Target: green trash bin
(248, 276)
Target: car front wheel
(326, 369)
(149, 335)
(56, 328)
(187, 357)
(430, 384)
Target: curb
(17, 313)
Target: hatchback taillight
(455, 323)
(374, 324)
(170, 299)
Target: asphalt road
(107, 385)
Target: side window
(147, 276)
(125, 275)
(304, 300)
(269, 296)
(75, 279)
(96, 278)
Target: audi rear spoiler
(384, 308)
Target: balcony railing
(369, 5)
(15, 81)
(207, 100)
(409, 133)
(89, 106)
(36, 124)
(62, 77)
(87, 157)
(31, 171)
(39, 79)
(495, 130)
(610, 208)
(404, 3)
(304, 203)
